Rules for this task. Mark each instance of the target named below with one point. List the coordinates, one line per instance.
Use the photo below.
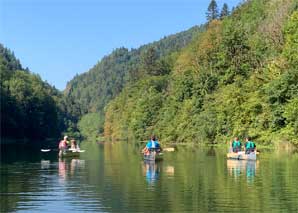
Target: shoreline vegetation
(236, 75)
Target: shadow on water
(11, 154)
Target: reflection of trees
(115, 177)
(211, 151)
(16, 176)
(187, 181)
(24, 177)
(16, 180)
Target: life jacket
(152, 144)
(146, 151)
(250, 145)
(236, 144)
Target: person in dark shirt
(236, 145)
(249, 146)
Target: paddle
(48, 150)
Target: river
(113, 178)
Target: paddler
(236, 145)
(63, 145)
(152, 144)
(249, 146)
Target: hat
(65, 137)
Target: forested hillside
(94, 89)
(30, 108)
(238, 77)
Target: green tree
(224, 11)
(149, 61)
(90, 125)
(212, 11)
(30, 108)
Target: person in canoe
(63, 145)
(249, 145)
(151, 145)
(74, 145)
(236, 145)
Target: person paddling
(236, 145)
(152, 144)
(249, 146)
(74, 145)
(63, 145)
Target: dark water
(113, 178)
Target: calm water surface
(113, 178)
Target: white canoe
(242, 156)
(70, 153)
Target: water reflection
(69, 167)
(111, 178)
(170, 171)
(45, 164)
(151, 171)
(238, 167)
(211, 151)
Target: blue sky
(61, 38)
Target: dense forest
(238, 77)
(31, 109)
(93, 90)
(235, 75)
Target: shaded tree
(30, 108)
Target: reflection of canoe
(237, 168)
(242, 156)
(153, 156)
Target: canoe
(242, 156)
(70, 153)
(153, 156)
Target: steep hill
(30, 108)
(95, 88)
(239, 77)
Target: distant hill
(94, 89)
